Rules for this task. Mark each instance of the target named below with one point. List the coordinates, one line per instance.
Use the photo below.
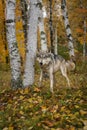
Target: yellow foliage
(81, 40)
(79, 30)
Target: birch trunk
(15, 62)
(41, 28)
(24, 9)
(31, 44)
(67, 27)
(51, 27)
(84, 44)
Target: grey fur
(51, 63)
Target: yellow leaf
(48, 123)
(44, 109)
(21, 97)
(5, 128)
(21, 91)
(63, 108)
(72, 128)
(76, 106)
(36, 89)
(83, 112)
(26, 90)
(21, 112)
(10, 128)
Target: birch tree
(67, 27)
(31, 44)
(51, 27)
(41, 28)
(15, 61)
(84, 19)
(24, 8)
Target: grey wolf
(50, 63)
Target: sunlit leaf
(44, 109)
(10, 128)
(21, 97)
(21, 112)
(5, 128)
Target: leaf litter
(24, 109)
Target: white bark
(31, 44)
(12, 44)
(67, 27)
(41, 28)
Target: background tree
(51, 26)
(67, 27)
(24, 9)
(43, 39)
(15, 61)
(84, 27)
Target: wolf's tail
(70, 65)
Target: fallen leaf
(72, 128)
(21, 112)
(5, 128)
(36, 89)
(10, 128)
(44, 108)
(21, 97)
(83, 112)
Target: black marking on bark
(39, 18)
(69, 35)
(13, 50)
(42, 33)
(70, 48)
(62, 7)
(39, 5)
(11, 2)
(68, 26)
(10, 21)
(14, 45)
(42, 38)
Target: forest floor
(38, 109)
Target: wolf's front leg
(51, 81)
(41, 77)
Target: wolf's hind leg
(64, 73)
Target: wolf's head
(44, 58)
